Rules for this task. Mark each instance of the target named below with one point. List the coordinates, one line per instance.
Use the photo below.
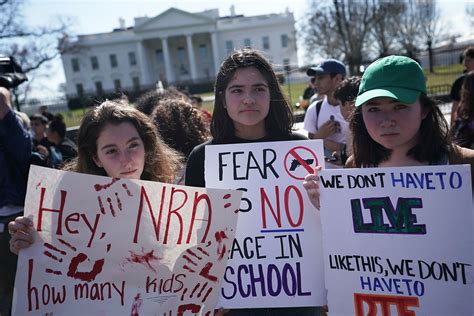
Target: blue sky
(103, 15)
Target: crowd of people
(380, 120)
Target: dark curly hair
(147, 102)
(466, 105)
(180, 125)
(279, 120)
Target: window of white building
(160, 59)
(136, 83)
(94, 63)
(132, 59)
(117, 85)
(266, 42)
(79, 89)
(229, 46)
(98, 88)
(182, 61)
(113, 60)
(284, 40)
(247, 42)
(75, 65)
(203, 52)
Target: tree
(340, 29)
(384, 33)
(470, 13)
(357, 31)
(32, 47)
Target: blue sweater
(15, 153)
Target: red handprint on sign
(113, 203)
(74, 263)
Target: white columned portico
(143, 63)
(215, 51)
(166, 53)
(192, 59)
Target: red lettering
(264, 198)
(287, 206)
(156, 224)
(385, 301)
(30, 288)
(42, 209)
(74, 217)
(175, 212)
(197, 199)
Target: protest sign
(108, 246)
(276, 257)
(398, 241)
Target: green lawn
(442, 75)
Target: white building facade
(173, 47)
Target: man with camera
(15, 153)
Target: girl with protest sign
(114, 140)
(249, 107)
(396, 124)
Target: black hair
(347, 89)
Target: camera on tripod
(11, 74)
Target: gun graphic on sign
(296, 163)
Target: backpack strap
(318, 109)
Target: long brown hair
(466, 104)
(433, 145)
(161, 162)
(279, 120)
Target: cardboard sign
(108, 246)
(398, 241)
(276, 257)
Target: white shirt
(312, 123)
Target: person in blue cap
(323, 119)
(395, 123)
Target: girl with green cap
(396, 124)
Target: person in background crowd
(463, 128)
(196, 101)
(455, 94)
(41, 144)
(309, 91)
(64, 148)
(249, 107)
(396, 124)
(181, 126)
(15, 152)
(346, 94)
(147, 102)
(44, 111)
(324, 120)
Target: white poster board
(398, 241)
(276, 257)
(108, 246)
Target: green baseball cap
(396, 77)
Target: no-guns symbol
(300, 161)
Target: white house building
(174, 47)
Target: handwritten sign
(398, 241)
(108, 246)
(276, 257)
